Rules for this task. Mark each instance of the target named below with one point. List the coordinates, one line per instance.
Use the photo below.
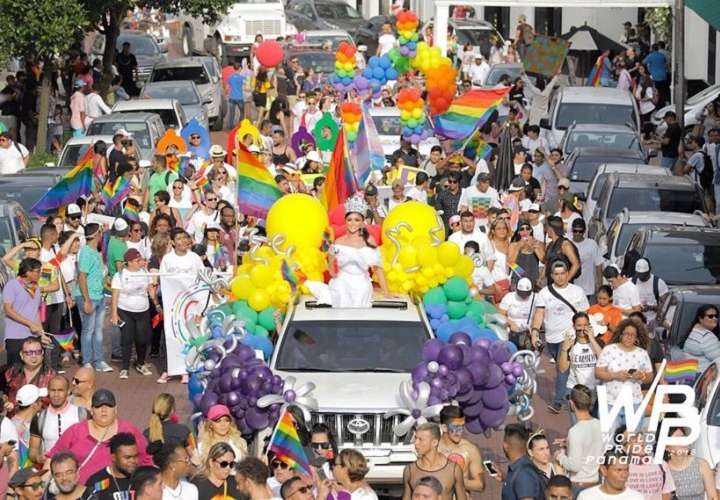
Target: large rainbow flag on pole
(340, 182)
(257, 190)
(594, 78)
(469, 112)
(286, 445)
(74, 184)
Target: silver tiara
(356, 204)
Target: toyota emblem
(358, 426)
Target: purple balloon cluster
(237, 381)
(478, 375)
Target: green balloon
(250, 328)
(238, 307)
(456, 288)
(266, 319)
(261, 332)
(434, 296)
(456, 310)
(394, 54)
(402, 65)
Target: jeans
(560, 378)
(116, 342)
(717, 198)
(668, 162)
(91, 337)
(136, 330)
(240, 104)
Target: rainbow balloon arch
(469, 363)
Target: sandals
(163, 378)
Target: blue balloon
(260, 343)
(378, 73)
(412, 45)
(419, 129)
(347, 80)
(368, 73)
(374, 61)
(391, 74)
(385, 62)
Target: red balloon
(269, 53)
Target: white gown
(352, 287)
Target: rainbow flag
(65, 339)
(286, 445)
(179, 167)
(131, 213)
(682, 370)
(24, 461)
(112, 194)
(469, 112)
(257, 190)
(289, 275)
(200, 176)
(76, 183)
(101, 485)
(594, 78)
(519, 271)
(340, 182)
(368, 151)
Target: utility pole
(679, 58)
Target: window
(703, 389)
(599, 183)
(185, 94)
(139, 131)
(72, 154)
(197, 74)
(587, 112)
(603, 139)
(653, 199)
(139, 45)
(336, 11)
(6, 235)
(684, 260)
(585, 167)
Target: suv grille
(380, 429)
(268, 27)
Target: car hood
(150, 61)
(348, 392)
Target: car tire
(187, 42)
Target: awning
(708, 10)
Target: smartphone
(631, 371)
(120, 324)
(490, 467)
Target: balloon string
(392, 235)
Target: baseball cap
(564, 182)
(212, 226)
(30, 393)
(483, 177)
(579, 223)
(642, 266)
(120, 224)
(454, 219)
(314, 156)
(516, 185)
(534, 207)
(103, 397)
(22, 476)
(289, 168)
(524, 285)
(132, 254)
(218, 411)
(73, 209)
(253, 148)
(79, 84)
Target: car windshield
(586, 112)
(72, 154)
(139, 130)
(338, 10)
(585, 167)
(616, 140)
(320, 62)
(477, 38)
(651, 199)
(183, 93)
(702, 95)
(335, 40)
(168, 116)
(24, 193)
(197, 74)
(626, 232)
(341, 346)
(139, 45)
(685, 261)
(495, 74)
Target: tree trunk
(44, 111)
(111, 26)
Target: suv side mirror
(545, 123)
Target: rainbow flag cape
(594, 78)
(257, 190)
(65, 339)
(682, 370)
(74, 184)
(131, 213)
(340, 182)
(368, 151)
(286, 445)
(24, 461)
(469, 112)
(114, 193)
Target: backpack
(706, 176)
(656, 285)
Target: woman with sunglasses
(181, 198)
(216, 479)
(527, 252)
(220, 428)
(323, 448)
(702, 343)
(223, 187)
(499, 237)
(138, 240)
(175, 466)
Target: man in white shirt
(479, 198)
(533, 141)
(387, 40)
(311, 115)
(469, 232)
(556, 305)
(419, 191)
(73, 221)
(625, 294)
(518, 307)
(47, 425)
(479, 70)
(13, 155)
(650, 288)
(590, 260)
(615, 473)
(95, 107)
(201, 218)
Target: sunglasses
(302, 489)
(711, 316)
(578, 231)
(35, 486)
(212, 199)
(524, 228)
(452, 182)
(77, 381)
(563, 188)
(277, 464)
(324, 445)
(457, 429)
(74, 217)
(38, 352)
(194, 137)
(225, 464)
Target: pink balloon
(269, 53)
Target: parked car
(323, 15)
(76, 147)
(143, 45)
(476, 32)
(170, 110)
(15, 224)
(335, 37)
(595, 187)
(613, 243)
(387, 123)
(707, 401)
(368, 32)
(513, 70)
(26, 190)
(584, 162)
(694, 108)
(679, 255)
(184, 92)
(594, 135)
(209, 85)
(644, 192)
(146, 129)
(581, 105)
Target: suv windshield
(336, 11)
(587, 112)
(6, 236)
(320, 62)
(139, 131)
(72, 154)
(685, 262)
(341, 346)
(477, 38)
(614, 140)
(183, 93)
(140, 45)
(585, 167)
(651, 199)
(197, 74)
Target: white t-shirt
(12, 159)
(386, 42)
(133, 287)
(595, 493)
(590, 258)
(142, 246)
(518, 309)
(364, 493)
(69, 268)
(539, 231)
(417, 194)
(647, 297)
(582, 366)
(196, 226)
(486, 250)
(8, 432)
(55, 297)
(482, 277)
(532, 144)
(558, 316)
(184, 491)
(626, 296)
(567, 223)
(616, 360)
(56, 422)
(479, 203)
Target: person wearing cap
(89, 296)
(78, 109)
(91, 440)
(376, 212)
(479, 70)
(312, 163)
(479, 198)
(591, 260)
(130, 309)
(28, 402)
(625, 294)
(295, 182)
(511, 200)
(219, 426)
(217, 160)
(27, 484)
(518, 307)
(650, 288)
(454, 223)
(73, 221)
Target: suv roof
(599, 127)
(471, 23)
(705, 234)
(615, 152)
(599, 95)
(125, 117)
(633, 168)
(181, 62)
(644, 180)
(697, 219)
(140, 104)
(695, 290)
(403, 309)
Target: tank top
(446, 476)
(280, 159)
(688, 482)
(531, 267)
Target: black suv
(676, 313)
(583, 162)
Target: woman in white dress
(351, 258)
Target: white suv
(357, 359)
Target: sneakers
(552, 360)
(554, 408)
(88, 365)
(143, 370)
(104, 367)
(123, 374)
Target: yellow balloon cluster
(259, 281)
(415, 255)
(427, 57)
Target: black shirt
(103, 486)
(411, 157)
(207, 490)
(126, 64)
(674, 133)
(172, 432)
(115, 159)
